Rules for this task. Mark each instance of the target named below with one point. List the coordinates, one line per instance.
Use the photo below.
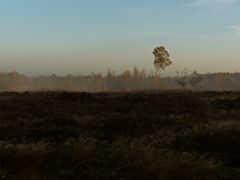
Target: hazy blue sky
(84, 36)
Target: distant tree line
(127, 81)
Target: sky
(84, 36)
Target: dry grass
(141, 135)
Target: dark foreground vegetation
(141, 135)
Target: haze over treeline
(127, 81)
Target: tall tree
(161, 58)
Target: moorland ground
(136, 135)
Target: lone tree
(161, 58)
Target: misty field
(137, 135)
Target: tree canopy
(161, 58)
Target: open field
(138, 135)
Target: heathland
(135, 135)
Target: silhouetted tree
(182, 78)
(143, 74)
(161, 58)
(135, 81)
(126, 74)
(135, 72)
(195, 79)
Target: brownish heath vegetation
(137, 135)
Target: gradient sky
(84, 36)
